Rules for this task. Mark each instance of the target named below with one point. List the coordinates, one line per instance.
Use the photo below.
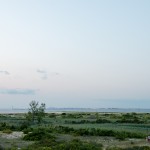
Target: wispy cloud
(41, 71)
(55, 73)
(18, 91)
(43, 74)
(4, 72)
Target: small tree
(36, 112)
(41, 112)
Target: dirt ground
(13, 140)
(108, 141)
(112, 142)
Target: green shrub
(130, 148)
(26, 131)
(78, 145)
(121, 136)
(98, 132)
(1, 148)
(102, 121)
(38, 134)
(23, 126)
(8, 131)
(70, 145)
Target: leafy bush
(121, 135)
(78, 145)
(88, 121)
(26, 131)
(8, 131)
(52, 115)
(103, 121)
(130, 118)
(1, 148)
(38, 134)
(5, 126)
(24, 125)
(70, 145)
(98, 132)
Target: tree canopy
(36, 112)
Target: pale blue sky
(82, 53)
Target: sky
(82, 53)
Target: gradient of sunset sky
(75, 53)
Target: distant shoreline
(59, 110)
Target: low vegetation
(75, 131)
(131, 148)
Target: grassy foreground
(76, 131)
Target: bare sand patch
(13, 135)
